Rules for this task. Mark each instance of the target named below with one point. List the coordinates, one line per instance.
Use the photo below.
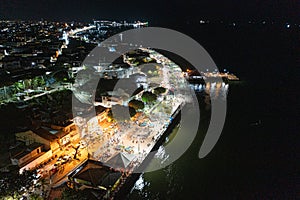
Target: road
(73, 32)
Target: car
(64, 162)
(66, 157)
(37, 176)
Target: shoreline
(131, 180)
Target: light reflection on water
(144, 189)
(168, 182)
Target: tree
(137, 91)
(159, 90)
(70, 194)
(121, 113)
(27, 83)
(132, 112)
(19, 86)
(14, 184)
(38, 82)
(136, 104)
(148, 97)
(76, 151)
(35, 197)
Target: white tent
(120, 160)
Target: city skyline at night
(149, 100)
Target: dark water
(248, 162)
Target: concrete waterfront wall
(131, 180)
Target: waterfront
(255, 155)
(248, 162)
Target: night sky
(152, 10)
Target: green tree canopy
(136, 104)
(148, 97)
(121, 113)
(159, 90)
(72, 194)
(13, 184)
(19, 86)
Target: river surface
(255, 157)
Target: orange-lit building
(51, 139)
(22, 154)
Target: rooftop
(96, 174)
(44, 134)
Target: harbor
(122, 149)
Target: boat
(256, 123)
